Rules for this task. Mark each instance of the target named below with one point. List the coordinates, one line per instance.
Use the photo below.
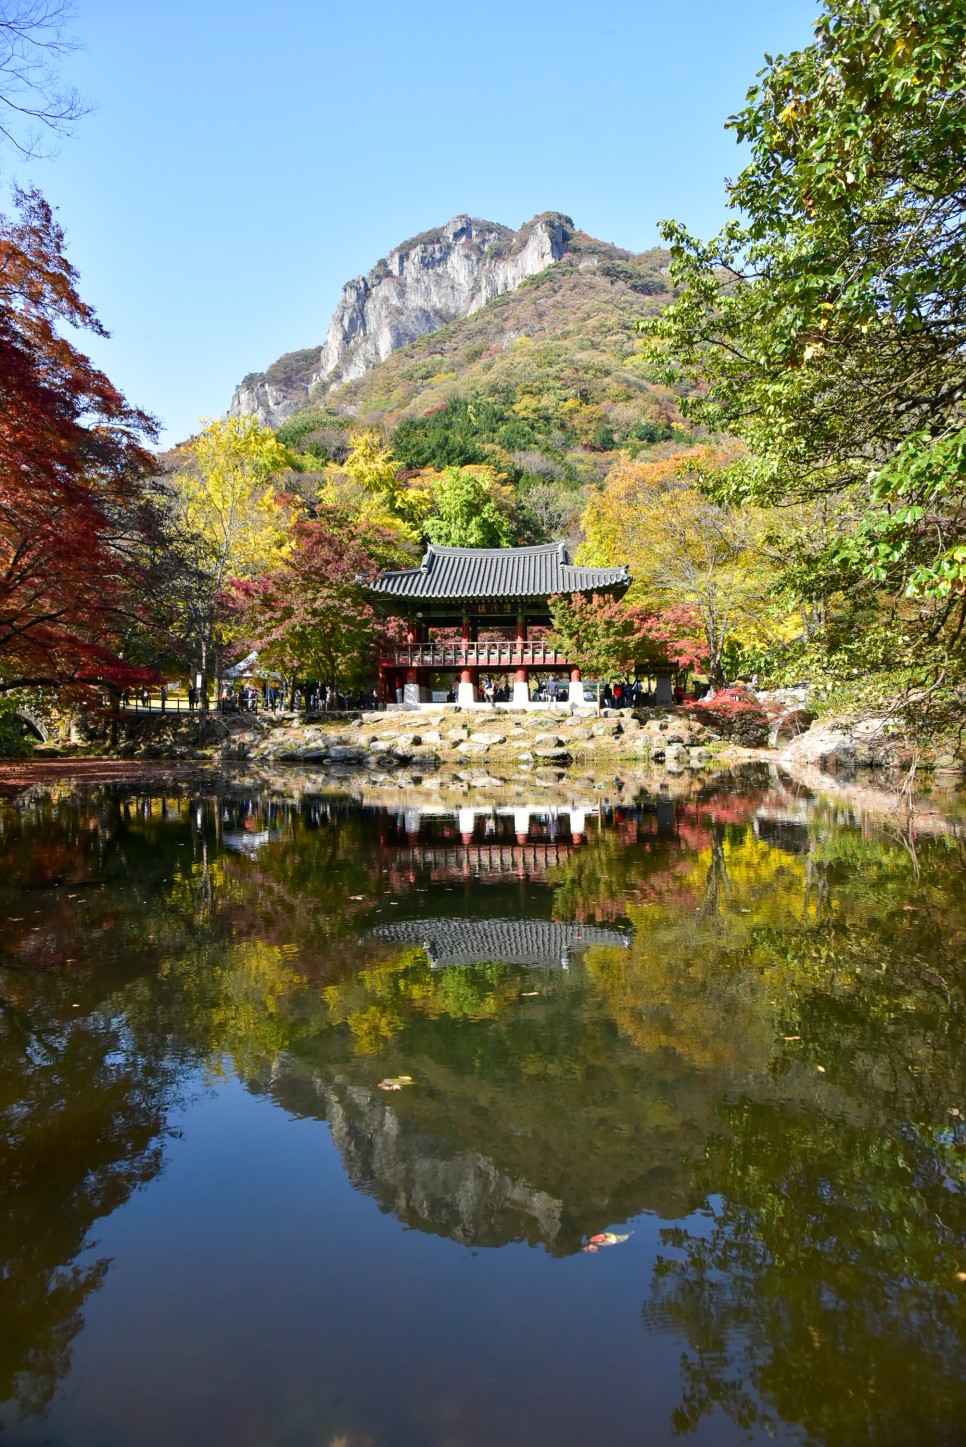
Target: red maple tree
(312, 618)
(73, 506)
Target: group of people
(278, 698)
(247, 698)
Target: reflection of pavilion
(244, 842)
(493, 840)
(506, 941)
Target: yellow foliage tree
(684, 549)
(227, 520)
(366, 486)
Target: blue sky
(245, 159)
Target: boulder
(789, 725)
(843, 744)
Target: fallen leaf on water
(605, 1238)
(791, 1037)
(526, 994)
(395, 1082)
(952, 1110)
(821, 1068)
(357, 896)
(913, 907)
(961, 1275)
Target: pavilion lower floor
(407, 674)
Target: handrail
(476, 655)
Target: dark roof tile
(512, 941)
(534, 572)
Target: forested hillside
(546, 384)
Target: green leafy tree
(471, 509)
(827, 326)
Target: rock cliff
(422, 285)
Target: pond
(563, 1118)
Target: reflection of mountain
(425, 1182)
(508, 941)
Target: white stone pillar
(521, 822)
(466, 694)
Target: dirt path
(19, 774)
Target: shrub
(735, 714)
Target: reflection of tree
(822, 1291)
(564, 1110)
(82, 1116)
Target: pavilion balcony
(473, 655)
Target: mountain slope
(547, 379)
(425, 284)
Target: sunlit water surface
(729, 1029)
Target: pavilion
(457, 593)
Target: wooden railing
(474, 655)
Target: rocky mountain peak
(422, 285)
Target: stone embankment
(387, 745)
(383, 743)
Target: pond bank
(427, 739)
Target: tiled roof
(511, 941)
(536, 572)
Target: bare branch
(33, 98)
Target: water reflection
(740, 1010)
